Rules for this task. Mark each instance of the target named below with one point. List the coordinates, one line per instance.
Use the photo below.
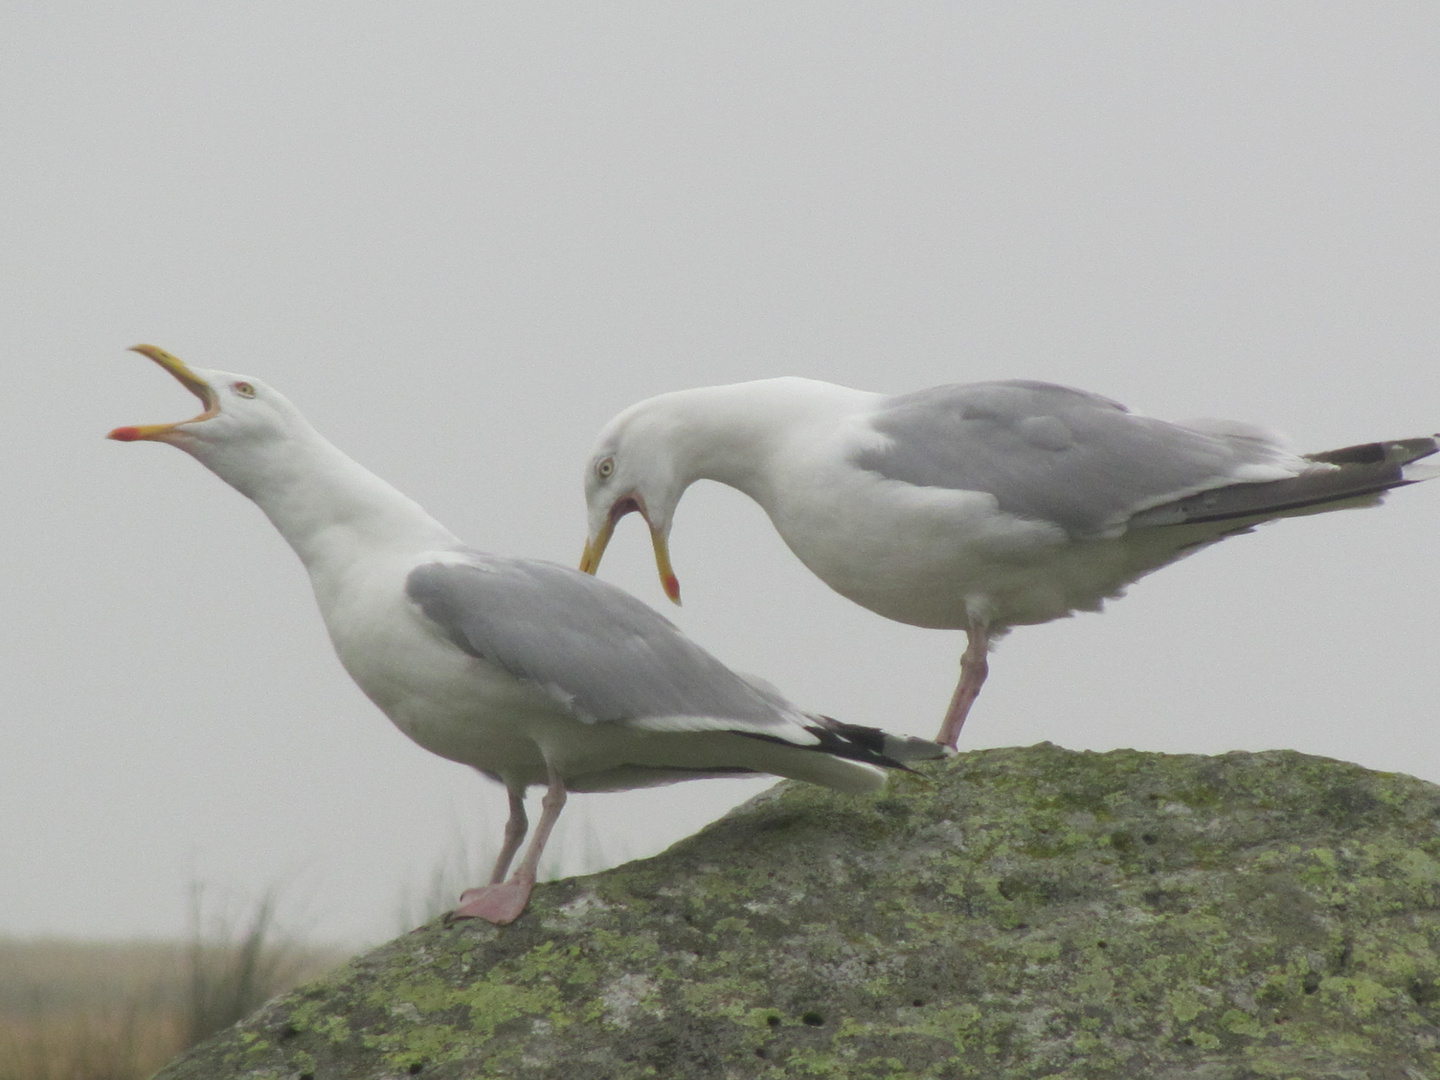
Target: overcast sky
(461, 236)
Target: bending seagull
(977, 507)
(530, 672)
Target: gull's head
(241, 417)
(633, 469)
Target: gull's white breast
(453, 704)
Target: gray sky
(461, 236)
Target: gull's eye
(605, 468)
(244, 389)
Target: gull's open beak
(188, 379)
(596, 545)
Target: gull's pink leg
(502, 903)
(974, 666)
(514, 833)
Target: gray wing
(1073, 458)
(590, 645)
(1359, 475)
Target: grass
(88, 1011)
(85, 1010)
(73, 1010)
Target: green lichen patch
(1011, 915)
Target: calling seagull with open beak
(599, 540)
(531, 673)
(975, 507)
(188, 379)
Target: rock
(1021, 913)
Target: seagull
(975, 507)
(530, 672)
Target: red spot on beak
(125, 434)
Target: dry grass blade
(75, 1010)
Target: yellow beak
(668, 580)
(188, 379)
(595, 549)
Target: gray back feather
(1049, 452)
(590, 645)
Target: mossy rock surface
(1020, 913)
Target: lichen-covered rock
(1028, 913)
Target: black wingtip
(873, 745)
(1364, 471)
(1396, 452)
(867, 745)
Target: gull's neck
(331, 509)
(733, 434)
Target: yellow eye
(605, 468)
(244, 389)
